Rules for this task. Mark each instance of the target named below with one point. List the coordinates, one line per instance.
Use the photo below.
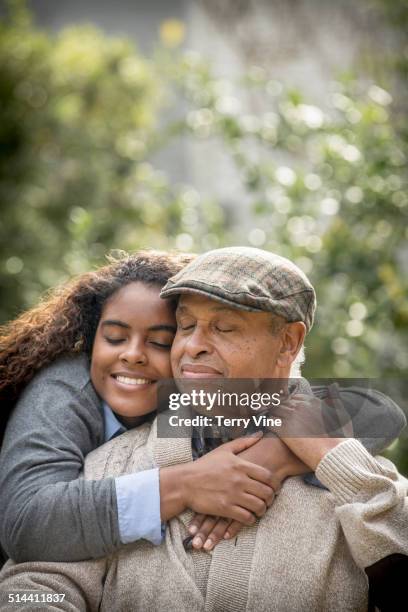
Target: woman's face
(131, 351)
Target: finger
(286, 406)
(306, 400)
(237, 513)
(295, 402)
(302, 397)
(257, 472)
(345, 420)
(233, 530)
(217, 533)
(206, 528)
(241, 444)
(265, 492)
(253, 504)
(196, 523)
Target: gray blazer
(49, 513)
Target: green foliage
(79, 121)
(82, 115)
(337, 204)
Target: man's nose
(197, 343)
(134, 353)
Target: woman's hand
(270, 453)
(309, 427)
(221, 483)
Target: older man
(242, 313)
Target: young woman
(84, 366)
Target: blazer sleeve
(376, 419)
(49, 512)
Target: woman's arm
(48, 512)
(376, 420)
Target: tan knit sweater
(307, 553)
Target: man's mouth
(195, 370)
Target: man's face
(215, 341)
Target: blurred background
(280, 124)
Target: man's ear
(293, 335)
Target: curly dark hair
(66, 319)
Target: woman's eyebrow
(160, 327)
(169, 328)
(115, 322)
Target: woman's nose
(134, 353)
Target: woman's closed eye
(163, 345)
(162, 339)
(114, 341)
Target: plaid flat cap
(248, 279)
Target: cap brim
(174, 291)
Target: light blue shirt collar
(112, 426)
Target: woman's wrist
(273, 454)
(173, 485)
